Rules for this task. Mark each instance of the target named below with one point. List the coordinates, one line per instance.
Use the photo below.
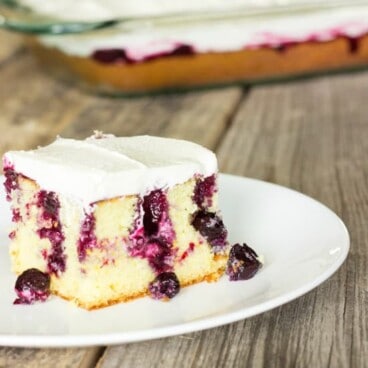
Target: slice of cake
(110, 219)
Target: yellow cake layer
(108, 274)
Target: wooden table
(309, 135)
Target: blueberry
(165, 286)
(31, 286)
(204, 189)
(49, 202)
(159, 255)
(211, 227)
(11, 182)
(243, 263)
(154, 205)
(110, 56)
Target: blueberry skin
(31, 286)
(243, 263)
(165, 286)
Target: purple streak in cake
(153, 234)
(87, 239)
(16, 215)
(354, 44)
(51, 229)
(120, 56)
(186, 253)
(154, 206)
(32, 286)
(11, 181)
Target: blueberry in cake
(109, 219)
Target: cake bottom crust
(212, 277)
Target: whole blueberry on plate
(31, 286)
(243, 263)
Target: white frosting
(92, 10)
(97, 169)
(220, 36)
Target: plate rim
(205, 323)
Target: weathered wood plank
(11, 44)
(35, 108)
(36, 358)
(311, 136)
(199, 116)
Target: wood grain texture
(199, 116)
(311, 136)
(11, 45)
(36, 358)
(35, 108)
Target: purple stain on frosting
(120, 55)
(351, 31)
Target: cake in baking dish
(109, 219)
(141, 56)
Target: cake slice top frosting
(105, 166)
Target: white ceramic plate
(302, 241)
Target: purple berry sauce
(87, 239)
(16, 215)
(109, 56)
(165, 286)
(11, 181)
(186, 253)
(32, 286)
(212, 228)
(204, 191)
(153, 234)
(51, 230)
(243, 263)
(119, 56)
(354, 44)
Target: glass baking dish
(149, 46)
